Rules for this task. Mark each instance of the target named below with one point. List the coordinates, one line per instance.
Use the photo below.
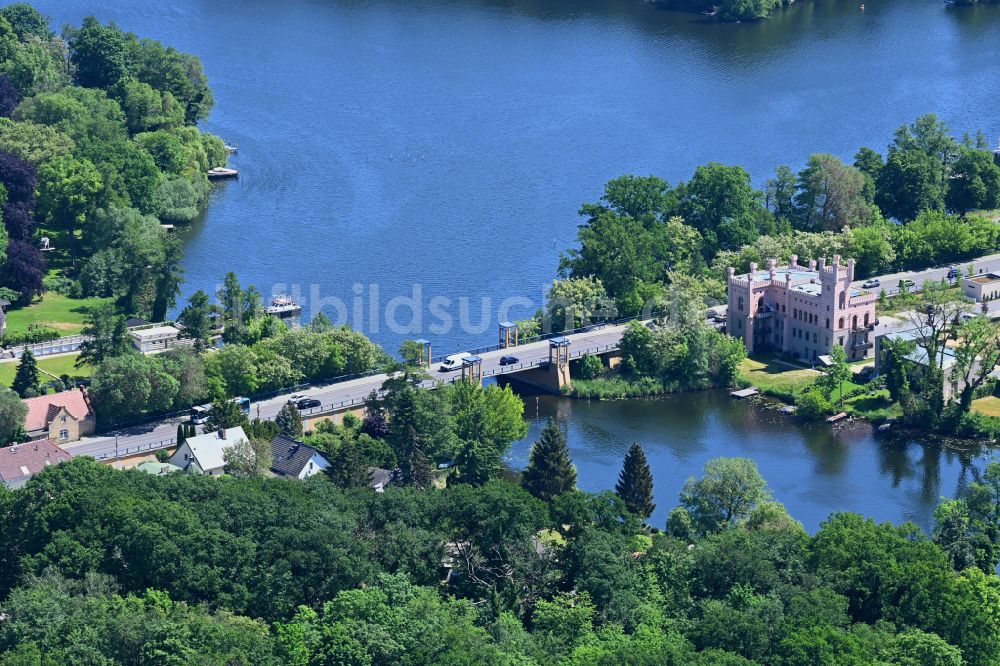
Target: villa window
(866, 320)
(828, 322)
(740, 306)
(64, 434)
(854, 323)
(63, 418)
(843, 299)
(841, 323)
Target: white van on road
(453, 362)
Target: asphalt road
(160, 434)
(890, 283)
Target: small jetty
(232, 147)
(283, 307)
(787, 409)
(836, 417)
(745, 393)
(222, 172)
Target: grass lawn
(58, 366)
(64, 314)
(848, 387)
(989, 406)
(875, 407)
(770, 374)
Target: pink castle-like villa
(801, 310)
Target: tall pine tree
(635, 483)
(415, 469)
(347, 468)
(550, 471)
(289, 421)
(25, 382)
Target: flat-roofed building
(803, 311)
(156, 338)
(982, 288)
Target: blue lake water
(440, 149)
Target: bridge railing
(126, 451)
(544, 336)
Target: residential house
(380, 479)
(801, 310)
(946, 360)
(20, 462)
(291, 458)
(62, 417)
(204, 454)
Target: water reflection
(813, 468)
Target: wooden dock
(745, 393)
(836, 417)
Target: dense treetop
(137, 569)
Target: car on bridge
(871, 284)
(453, 362)
(509, 359)
(307, 403)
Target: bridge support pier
(551, 377)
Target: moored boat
(284, 307)
(223, 172)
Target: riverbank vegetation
(98, 147)
(679, 351)
(908, 209)
(261, 355)
(730, 10)
(195, 567)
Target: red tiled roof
(32, 456)
(42, 410)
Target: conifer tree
(635, 483)
(415, 469)
(289, 421)
(347, 468)
(550, 471)
(26, 380)
(181, 433)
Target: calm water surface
(449, 144)
(811, 468)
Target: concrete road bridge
(542, 365)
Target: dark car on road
(509, 360)
(308, 403)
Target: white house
(293, 459)
(203, 454)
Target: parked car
(906, 282)
(308, 403)
(871, 284)
(509, 360)
(453, 362)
